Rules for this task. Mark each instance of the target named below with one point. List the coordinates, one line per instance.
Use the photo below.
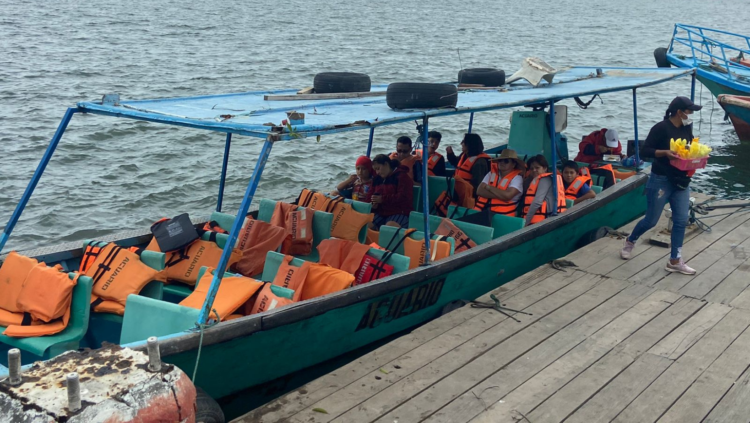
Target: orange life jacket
(464, 193)
(233, 292)
(92, 251)
(432, 162)
(608, 168)
(342, 254)
(298, 223)
(323, 279)
(35, 298)
(268, 300)
(255, 240)
(292, 277)
(544, 210)
(116, 272)
(571, 193)
(409, 162)
(449, 230)
(183, 265)
(414, 249)
(313, 200)
(463, 170)
(373, 237)
(347, 222)
(507, 208)
(584, 171)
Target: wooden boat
(234, 355)
(738, 108)
(721, 59)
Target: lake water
(110, 175)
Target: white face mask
(687, 121)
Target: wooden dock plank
(536, 389)
(684, 337)
(735, 406)
(567, 399)
(732, 286)
(468, 365)
(711, 386)
(671, 384)
(712, 277)
(305, 397)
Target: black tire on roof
(489, 77)
(660, 55)
(341, 82)
(418, 95)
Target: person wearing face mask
(666, 183)
(436, 162)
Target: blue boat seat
(417, 199)
(388, 232)
(106, 327)
(399, 262)
(146, 317)
(568, 203)
(597, 189)
(361, 207)
(436, 186)
(45, 347)
(501, 224)
(478, 233)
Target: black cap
(683, 103)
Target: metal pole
(553, 207)
(74, 392)
(35, 178)
(236, 226)
(369, 143)
(224, 165)
(425, 192)
(635, 128)
(692, 87)
(14, 367)
(471, 121)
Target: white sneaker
(627, 249)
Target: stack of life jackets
(116, 272)
(448, 229)
(233, 292)
(35, 298)
(507, 208)
(415, 249)
(347, 222)
(298, 223)
(311, 279)
(544, 210)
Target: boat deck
(608, 340)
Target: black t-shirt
(658, 139)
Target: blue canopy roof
(247, 113)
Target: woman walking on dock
(667, 183)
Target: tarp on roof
(247, 113)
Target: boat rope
(584, 105)
(495, 305)
(202, 327)
(704, 207)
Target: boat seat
(45, 347)
(597, 189)
(361, 207)
(501, 223)
(478, 233)
(106, 327)
(387, 233)
(436, 186)
(569, 203)
(146, 317)
(417, 199)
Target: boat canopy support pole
(369, 143)
(37, 176)
(553, 207)
(236, 227)
(692, 87)
(224, 172)
(425, 191)
(635, 129)
(471, 122)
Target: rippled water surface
(109, 175)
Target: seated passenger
(540, 196)
(598, 143)
(501, 189)
(436, 163)
(473, 164)
(358, 187)
(412, 162)
(577, 188)
(392, 193)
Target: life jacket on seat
(607, 172)
(298, 222)
(116, 272)
(347, 222)
(267, 299)
(571, 192)
(342, 254)
(409, 162)
(544, 210)
(183, 265)
(463, 170)
(414, 249)
(36, 299)
(431, 162)
(255, 240)
(449, 230)
(584, 171)
(233, 292)
(292, 277)
(507, 208)
(91, 252)
(311, 279)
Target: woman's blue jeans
(659, 191)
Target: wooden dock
(609, 340)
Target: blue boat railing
(702, 41)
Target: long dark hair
(382, 159)
(474, 144)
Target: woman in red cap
(358, 187)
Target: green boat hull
(247, 361)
